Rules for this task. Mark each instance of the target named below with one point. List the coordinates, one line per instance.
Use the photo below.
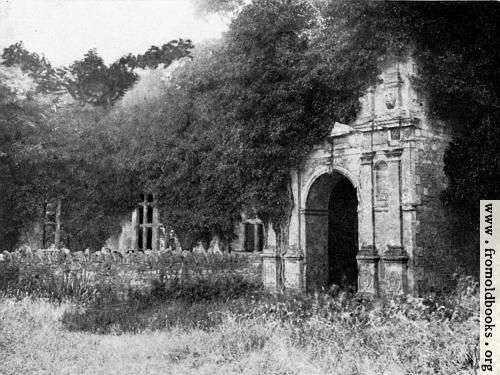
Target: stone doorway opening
(331, 238)
(343, 236)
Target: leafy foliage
(456, 51)
(289, 69)
(218, 6)
(241, 115)
(53, 146)
(48, 79)
(218, 136)
(90, 80)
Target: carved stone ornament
(339, 161)
(365, 279)
(367, 157)
(394, 282)
(390, 100)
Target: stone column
(367, 257)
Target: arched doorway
(331, 220)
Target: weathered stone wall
(133, 271)
(441, 246)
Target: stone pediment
(340, 130)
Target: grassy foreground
(253, 333)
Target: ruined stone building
(367, 212)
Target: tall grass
(227, 324)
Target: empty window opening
(149, 215)
(147, 224)
(141, 216)
(149, 236)
(254, 237)
(140, 239)
(260, 236)
(249, 237)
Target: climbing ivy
(234, 122)
(218, 135)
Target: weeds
(224, 323)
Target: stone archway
(331, 232)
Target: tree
(456, 50)
(287, 70)
(218, 6)
(19, 124)
(59, 149)
(240, 116)
(49, 80)
(94, 82)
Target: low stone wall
(132, 271)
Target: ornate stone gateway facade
(366, 201)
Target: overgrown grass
(227, 326)
(197, 303)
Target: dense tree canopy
(54, 146)
(287, 70)
(216, 135)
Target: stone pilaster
(294, 270)
(395, 227)
(271, 269)
(368, 282)
(365, 214)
